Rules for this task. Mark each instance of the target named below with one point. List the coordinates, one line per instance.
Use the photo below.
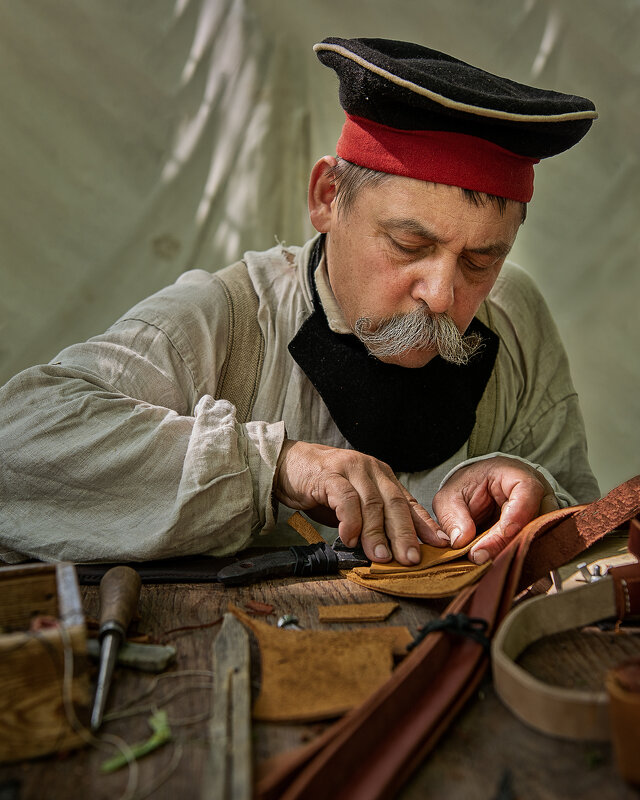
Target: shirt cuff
(563, 497)
(264, 445)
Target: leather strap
(551, 709)
(371, 751)
(558, 711)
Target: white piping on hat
(447, 102)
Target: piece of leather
(443, 580)
(627, 590)
(304, 528)
(580, 530)
(430, 556)
(623, 690)
(369, 753)
(356, 612)
(310, 675)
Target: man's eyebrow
(497, 249)
(409, 225)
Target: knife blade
(298, 560)
(227, 773)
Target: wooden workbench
(485, 749)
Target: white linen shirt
(118, 449)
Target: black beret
(406, 104)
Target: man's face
(405, 244)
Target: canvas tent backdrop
(143, 139)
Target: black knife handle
(314, 559)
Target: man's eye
(476, 267)
(410, 250)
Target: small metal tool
(289, 621)
(119, 592)
(590, 577)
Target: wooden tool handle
(119, 592)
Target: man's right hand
(360, 495)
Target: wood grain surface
(486, 749)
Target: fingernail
(442, 535)
(413, 555)
(381, 551)
(480, 556)
(352, 542)
(456, 533)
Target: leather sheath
(372, 750)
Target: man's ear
(322, 193)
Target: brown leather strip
(588, 525)
(626, 581)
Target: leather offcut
(430, 556)
(356, 612)
(304, 528)
(310, 675)
(439, 581)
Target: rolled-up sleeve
(119, 449)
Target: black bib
(412, 419)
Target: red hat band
(455, 159)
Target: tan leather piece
(313, 675)
(430, 556)
(356, 612)
(440, 581)
(624, 712)
(304, 528)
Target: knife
(299, 560)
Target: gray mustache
(417, 330)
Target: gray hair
(350, 179)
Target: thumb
(455, 519)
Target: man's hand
(359, 494)
(499, 487)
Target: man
(382, 375)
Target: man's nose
(434, 284)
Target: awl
(119, 592)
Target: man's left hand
(495, 487)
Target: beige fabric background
(140, 139)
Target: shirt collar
(332, 310)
